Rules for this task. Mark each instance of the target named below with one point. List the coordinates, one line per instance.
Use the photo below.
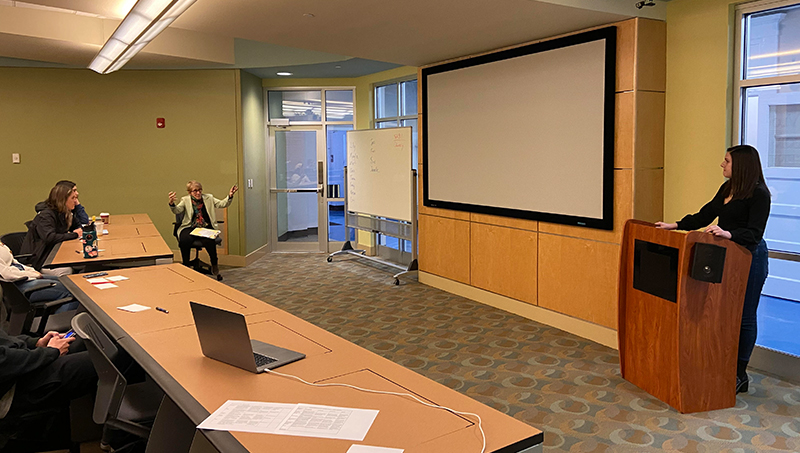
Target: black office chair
(196, 263)
(129, 408)
(14, 243)
(29, 318)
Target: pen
(163, 310)
(69, 334)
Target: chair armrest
(54, 303)
(36, 285)
(23, 258)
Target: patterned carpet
(567, 386)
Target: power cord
(435, 406)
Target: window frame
(740, 84)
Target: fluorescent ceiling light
(283, 73)
(143, 23)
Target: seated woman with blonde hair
(196, 214)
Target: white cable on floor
(435, 406)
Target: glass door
(297, 198)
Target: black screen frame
(606, 222)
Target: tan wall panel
(648, 194)
(520, 224)
(651, 55)
(623, 210)
(626, 50)
(623, 129)
(444, 247)
(579, 278)
(503, 261)
(649, 122)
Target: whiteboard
(379, 179)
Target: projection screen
(526, 132)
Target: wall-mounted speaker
(708, 262)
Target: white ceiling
(358, 36)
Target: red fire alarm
(160, 123)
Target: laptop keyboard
(262, 360)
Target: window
(396, 106)
(767, 104)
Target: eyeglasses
(196, 190)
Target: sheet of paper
(248, 416)
(97, 280)
(370, 449)
(134, 308)
(307, 420)
(116, 278)
(105, 285)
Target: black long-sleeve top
(745, 218)
(18, 356)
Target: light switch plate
(15, 158)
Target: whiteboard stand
(375, 224)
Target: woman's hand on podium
(666, 226)
(717, 231)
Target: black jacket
(47, 229)
(79, 212)
(18, 356)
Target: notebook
(223, 336)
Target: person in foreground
(742, 205)
(197, 213)
(39, 374)
(13, 271)
(54, 224)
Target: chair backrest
(19, 308)
(111, 383)
(177, 224)
(13, 241)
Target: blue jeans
(58, 291)
(759, 268)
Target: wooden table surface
(166, 345)
(125, 241)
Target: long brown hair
(57, 200)
(746, 172)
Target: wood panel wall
(567, 269)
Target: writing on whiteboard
(379, 175)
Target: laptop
(223, 336)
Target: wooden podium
(678, 335)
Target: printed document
(307, 420)
(205, 233)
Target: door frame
(321, 245)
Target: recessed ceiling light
(309, 15)
(284, 73)
(338, 66)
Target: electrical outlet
(15, 158)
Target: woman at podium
(742, 206)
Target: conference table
(132, 240)
(166, 345)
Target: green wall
(255, 163)
(698, 112)
(100, 132)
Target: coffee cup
(104, 217)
